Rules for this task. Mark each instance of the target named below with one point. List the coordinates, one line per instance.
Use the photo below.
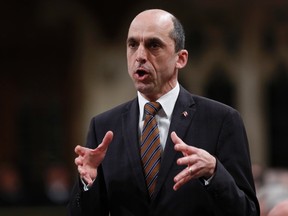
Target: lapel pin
(185, 113)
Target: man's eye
(154, 45)
(132, 45)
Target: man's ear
(182, 59)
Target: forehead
(149, 25)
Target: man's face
(151, 54)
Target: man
(204, 162)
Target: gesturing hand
(88, 160)
(199, 162)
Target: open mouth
(141, 73)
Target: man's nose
(141, 54)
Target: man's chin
(144, 89)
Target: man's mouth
(141, 73)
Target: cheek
(129, 61)
(166, 67)
(130, 69)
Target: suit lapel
(130, 120)
(183, 113)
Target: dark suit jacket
(120, 186)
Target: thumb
(107, 138)
(106, 141)
(175, 138)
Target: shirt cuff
(86, 187)
(206, 182)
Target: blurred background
(62, 62)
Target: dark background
(41, 45)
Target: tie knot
(151, 108)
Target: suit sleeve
(232, 188)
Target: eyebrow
(131, 39)
(148, 40)
(155, 39)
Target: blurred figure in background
(271, 186)
(11, 191)
(281, 209)
(57, 184)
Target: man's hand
(199, 162)
(88, 160)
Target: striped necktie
(150, 145)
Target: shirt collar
(167, 102)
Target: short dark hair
(178, 34)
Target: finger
(82, 172)
(185, 176)
(88, 180)
(84, 175)
(186, 148)
(106, 141)
(80, 150)
(179, 184)
(182, 148)
(175, 138)
(78, 161)
(187, 160)
(177, 141)
(188, 172)
(182, 179)
(180, 145)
